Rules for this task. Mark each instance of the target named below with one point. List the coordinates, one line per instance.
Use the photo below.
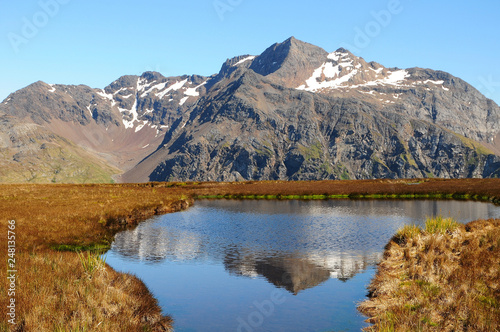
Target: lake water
(229, 265)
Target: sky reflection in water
(270, 265)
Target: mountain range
(294, 112)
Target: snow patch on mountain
(192, 91)
(330, 76)
(139, 127)
(327, 70)
(430, 81)
(135, 115)
(108, 96)
(394, 78)
(337, 55)
(158, 87)
(174, 87)
(248, 58)
(142, 84)
(122, 89)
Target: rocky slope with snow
(121, 124)
(293, 112)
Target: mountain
(293, 112)
(32, 153)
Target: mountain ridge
(293, 112)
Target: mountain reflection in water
(297, 273)
(295, 245)
(219, 265)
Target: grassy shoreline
(441, 278)
(55, 290)
(56, 293)
(443, 196)
(461, 189)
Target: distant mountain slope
(123, 122)
(293, 112)
(31, 153)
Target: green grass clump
(78, 328)
(408, 232)
(91, 262)
(440, 225)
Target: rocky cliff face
(294, 112)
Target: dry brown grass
(57, 294)
(79, 214)
(442, 279)
(482, 189)
(54, 291)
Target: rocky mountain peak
(290, 62)
(342, 50)
(122, 82)
(153, 76)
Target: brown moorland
(56, 289)
(479, 189)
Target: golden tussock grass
(56, 292)
(70, 291)
(443, 278)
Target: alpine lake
(271, 265)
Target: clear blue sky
(95, 42)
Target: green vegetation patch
(94, 247)
(279, 196)
(489, 301)
(315, 151)
(91, 262)
(477, 147)
(457, 196)
(377, 160)
(440, 225)
(408, 232)
(407, 157)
